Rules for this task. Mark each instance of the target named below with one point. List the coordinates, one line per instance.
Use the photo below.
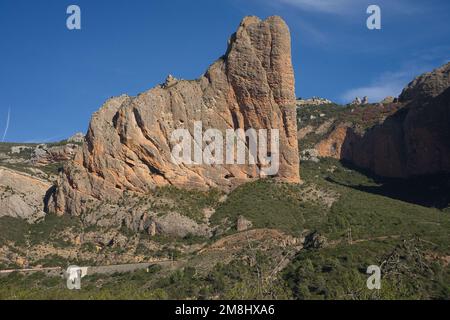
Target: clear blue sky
(53, 79)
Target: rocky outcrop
(44, 155)
(427, 86)
(21, 195)
(359, 102)
(128, 144)
(303, 132)
(356, 102)
(315, 240)
(388, 100)
(314, 101)
(177, 225)
(333, 145)
(243, 224)
(76, 138)
(309, 155)
(365, 100)
(415, 140)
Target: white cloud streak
(346, 7)
(392, 83)
(7, 124)
(387, 84)
(326, 6)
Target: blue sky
(53, 79)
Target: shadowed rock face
(128, 143)
(413, 141)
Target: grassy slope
(378, 224)
(271, 205)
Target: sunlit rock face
(128, 144)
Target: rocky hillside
(27, 172)
(403, 139)
(128, 147)
(21, 195)
(219, 232)
(309, 241)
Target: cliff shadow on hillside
(426, 190)
(407, 155)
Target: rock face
(22, 196)
(128, 144)
(43, 154)
(333, 145)
(415, 140)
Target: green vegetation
(20, 167)
(118, 286)
(5, 147)
(377, 224)
(283, 206)
(366, 224)
(360, 117)
(370, 214)
(21, 233)
(22, 163)
(51, 226)
(62, 143)
(188, 203)
(364, 116)
(13, 229)
(340, 273)
(233, 281)
(53, 168)
(271, 205)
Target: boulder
(365, 100)
(388, 100)
(356, 102)
(76, 138)
(310, 155)
(243, 224)
(315, 240)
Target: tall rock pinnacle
(128, 144)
